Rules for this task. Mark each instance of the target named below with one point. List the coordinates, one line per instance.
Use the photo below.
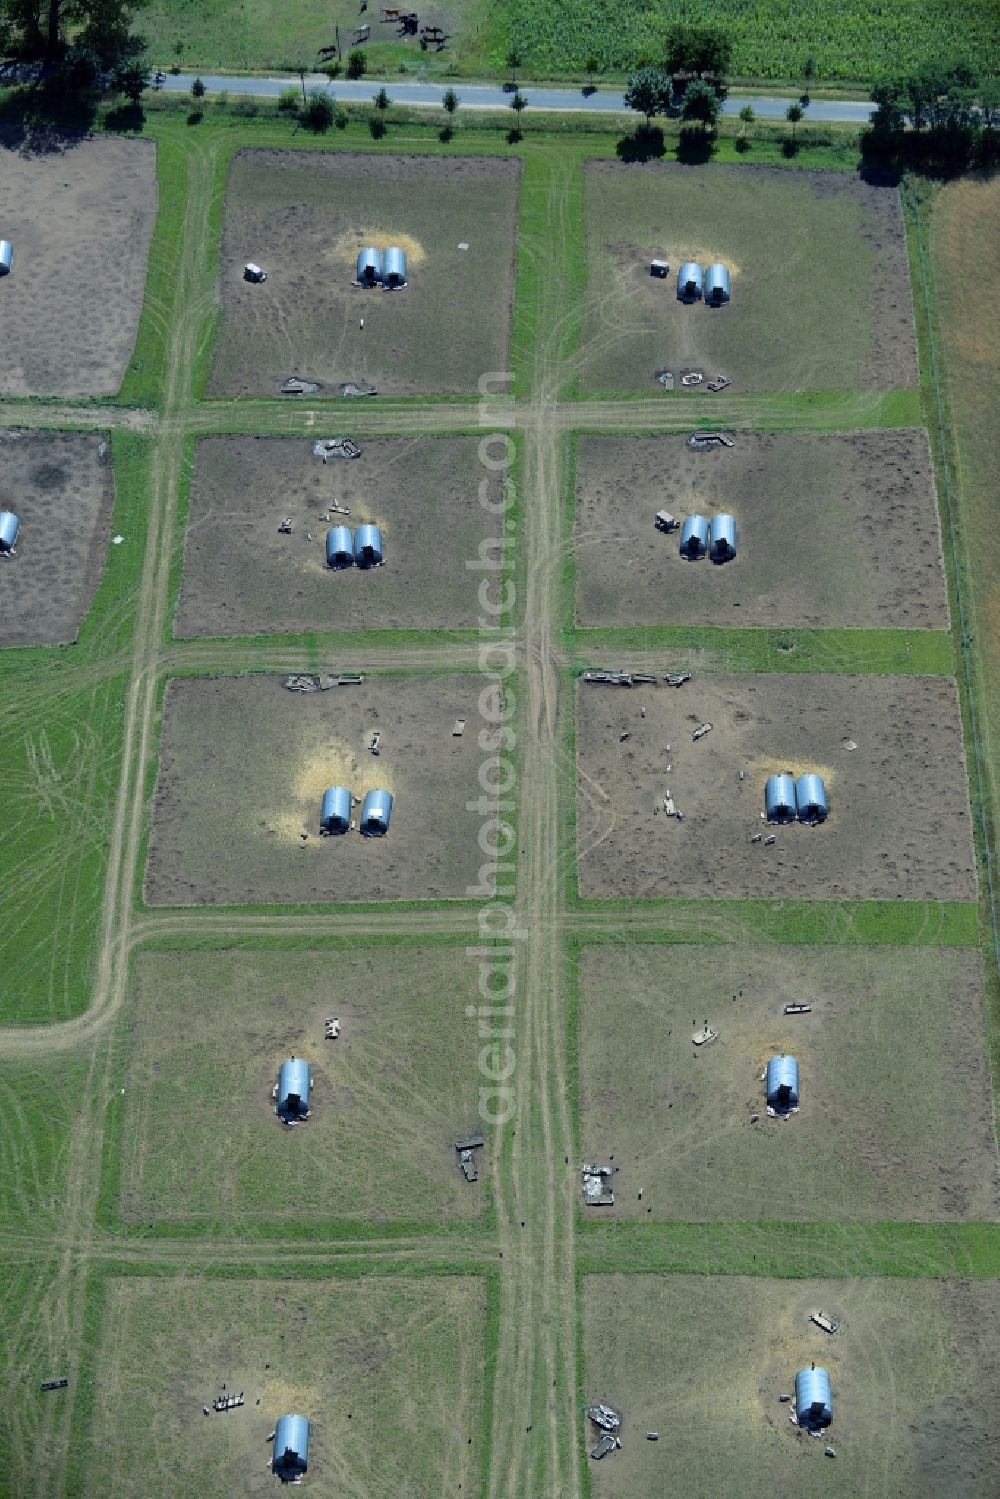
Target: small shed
(291, 1447)
(694, 537)
(369, 266)
(716, 285)
(376, 809)
(722, 545)
(810, 799)
(294, 1082)
(368, 547)
(659, 268)
(9, 527)
(689, 282)
(779, 799)
(782, 1083)
(335, 812)
(813, 1398)
(6, 257)
(339, 547)
(394, 266)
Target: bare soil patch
(241, 576)
(914, 1370)
(303, 216)
(820, 279)
(243, 765)
(879, 1134)
(388, 1371)
(899, 823)
(64, 498)
(80, 221)
(832, 529)
(389, 1096)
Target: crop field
(832, 529)
(242, 577)
(243, 766)
(63, 494)
(306, 220)
(914, 1370)
(80, 227)
(389, 1373)
(789, 326)
(889, 749)
(389, 1096)
(770, 40)
(879, 1133)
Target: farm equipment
(664, 521)
(710, 440)
(719, 383)
(801, 1009)
(665, 378)
(677, 678)
(824, 1322)
(701, 731)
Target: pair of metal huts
(9, 527)
(717, 538)
(363, 549)
(781, 1083)
(381, 268)
(335, 812)
(294, 1085)
(291, 1448)
(786, 799)
(713, 284)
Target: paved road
(490, 96)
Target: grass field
(243, 767)
(832, 529)
(141, 1256)
(770, 40)
(202, 1143)
(389, 1373)
(785, 327)
(889, 750)
(914, 1372)
(896, 1118)
(242, 577)
(307, 220)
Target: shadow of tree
(695, 147)
(645, 144)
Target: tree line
(79, 44)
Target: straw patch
(347, 245)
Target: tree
(648, 92)
(357, 63)
(514, 62)
(793, 115)
(318, 112)
(381, 101)
(697, 51)
(197, 89)
(889, 97)
(517, 104)
(450, 101)
(288, 101)
(808, 74)
(747, 118)
(83, 38)
(700, 104)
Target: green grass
(40, 1106)
(688, 1354)
(389, 1097)
(61, 716)
(912, 652)
(389, 1371)
(898, 1139)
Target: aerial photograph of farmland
(499, 898)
